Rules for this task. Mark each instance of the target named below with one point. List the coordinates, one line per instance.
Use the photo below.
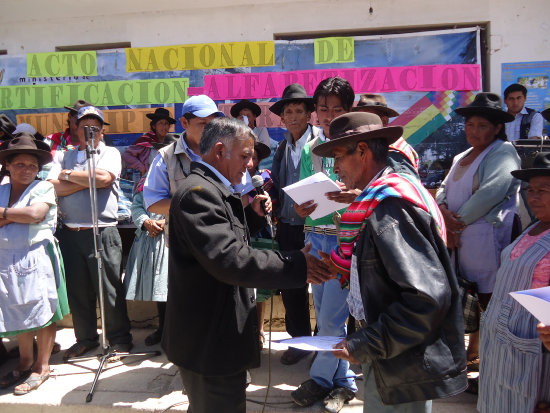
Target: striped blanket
(354, 219)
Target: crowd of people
(383, 268)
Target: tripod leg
(90, 395)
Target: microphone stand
(91, 151)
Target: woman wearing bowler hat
(32, 280)
(515, 368)
(139, 155)
(478, 198)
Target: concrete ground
(152, 384)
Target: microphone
(258, 184)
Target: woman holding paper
(514, 368)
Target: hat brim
(496, 114)
(278, 106)
(156, 118)
(263, 150)
(237, 107)
(390, 133)
(44, 155)
(546, 114)
(204, 113)
(527, 174)
(377, 109)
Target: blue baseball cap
(90, 111)
(201, 106)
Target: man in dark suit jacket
(211, 328)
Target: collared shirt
(157, 184)
(513, 128)
(296, 148)
(355, 301)
(218, 174)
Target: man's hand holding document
(314, 189)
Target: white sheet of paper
(314, 188)
(536, 301)
(313, 343)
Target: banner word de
(363, 80)
(115, 93)
(334, 50)
(62, 64)
(200, 56)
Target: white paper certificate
(536, 301)
(313, 343)
(314, 188)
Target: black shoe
(119, 348)
(293, 356)
(308, 393)
(153, 338)
(336, 399)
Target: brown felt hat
(25, 143)
(376, 103)
(354, 127)
(262, 149)
(77, 105)
(546, 114)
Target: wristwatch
(67, 175)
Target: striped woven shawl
(355, 218)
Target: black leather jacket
(414, 336)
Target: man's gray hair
(225, 130)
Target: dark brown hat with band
(77, 105)
(546, 114)
(293, 93)
(354, 127)
(245, 104)
(486, 104)
(541, 167)
(376, 104)
(24, 143)
(262, 149)
(161, 113)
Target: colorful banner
(200, 56)
(120, 120)
(116, 93)
(363, 80)
(430, 113)
(62, 64)
(334, 50)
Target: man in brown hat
(295, 109)
(401, 155)
(403, 289)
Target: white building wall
(518, 30)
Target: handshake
(319, 270)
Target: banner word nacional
(363, 80)
(114, 93)
(334, 50)
(200, 56)
(62, 64)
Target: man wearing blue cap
(69, 175)
(173, 162)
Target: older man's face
(238, 160)
(347, 164)
(295, 116)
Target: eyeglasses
(22, 166)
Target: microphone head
(257, 181)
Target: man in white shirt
(69, 175)
(528, 122)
